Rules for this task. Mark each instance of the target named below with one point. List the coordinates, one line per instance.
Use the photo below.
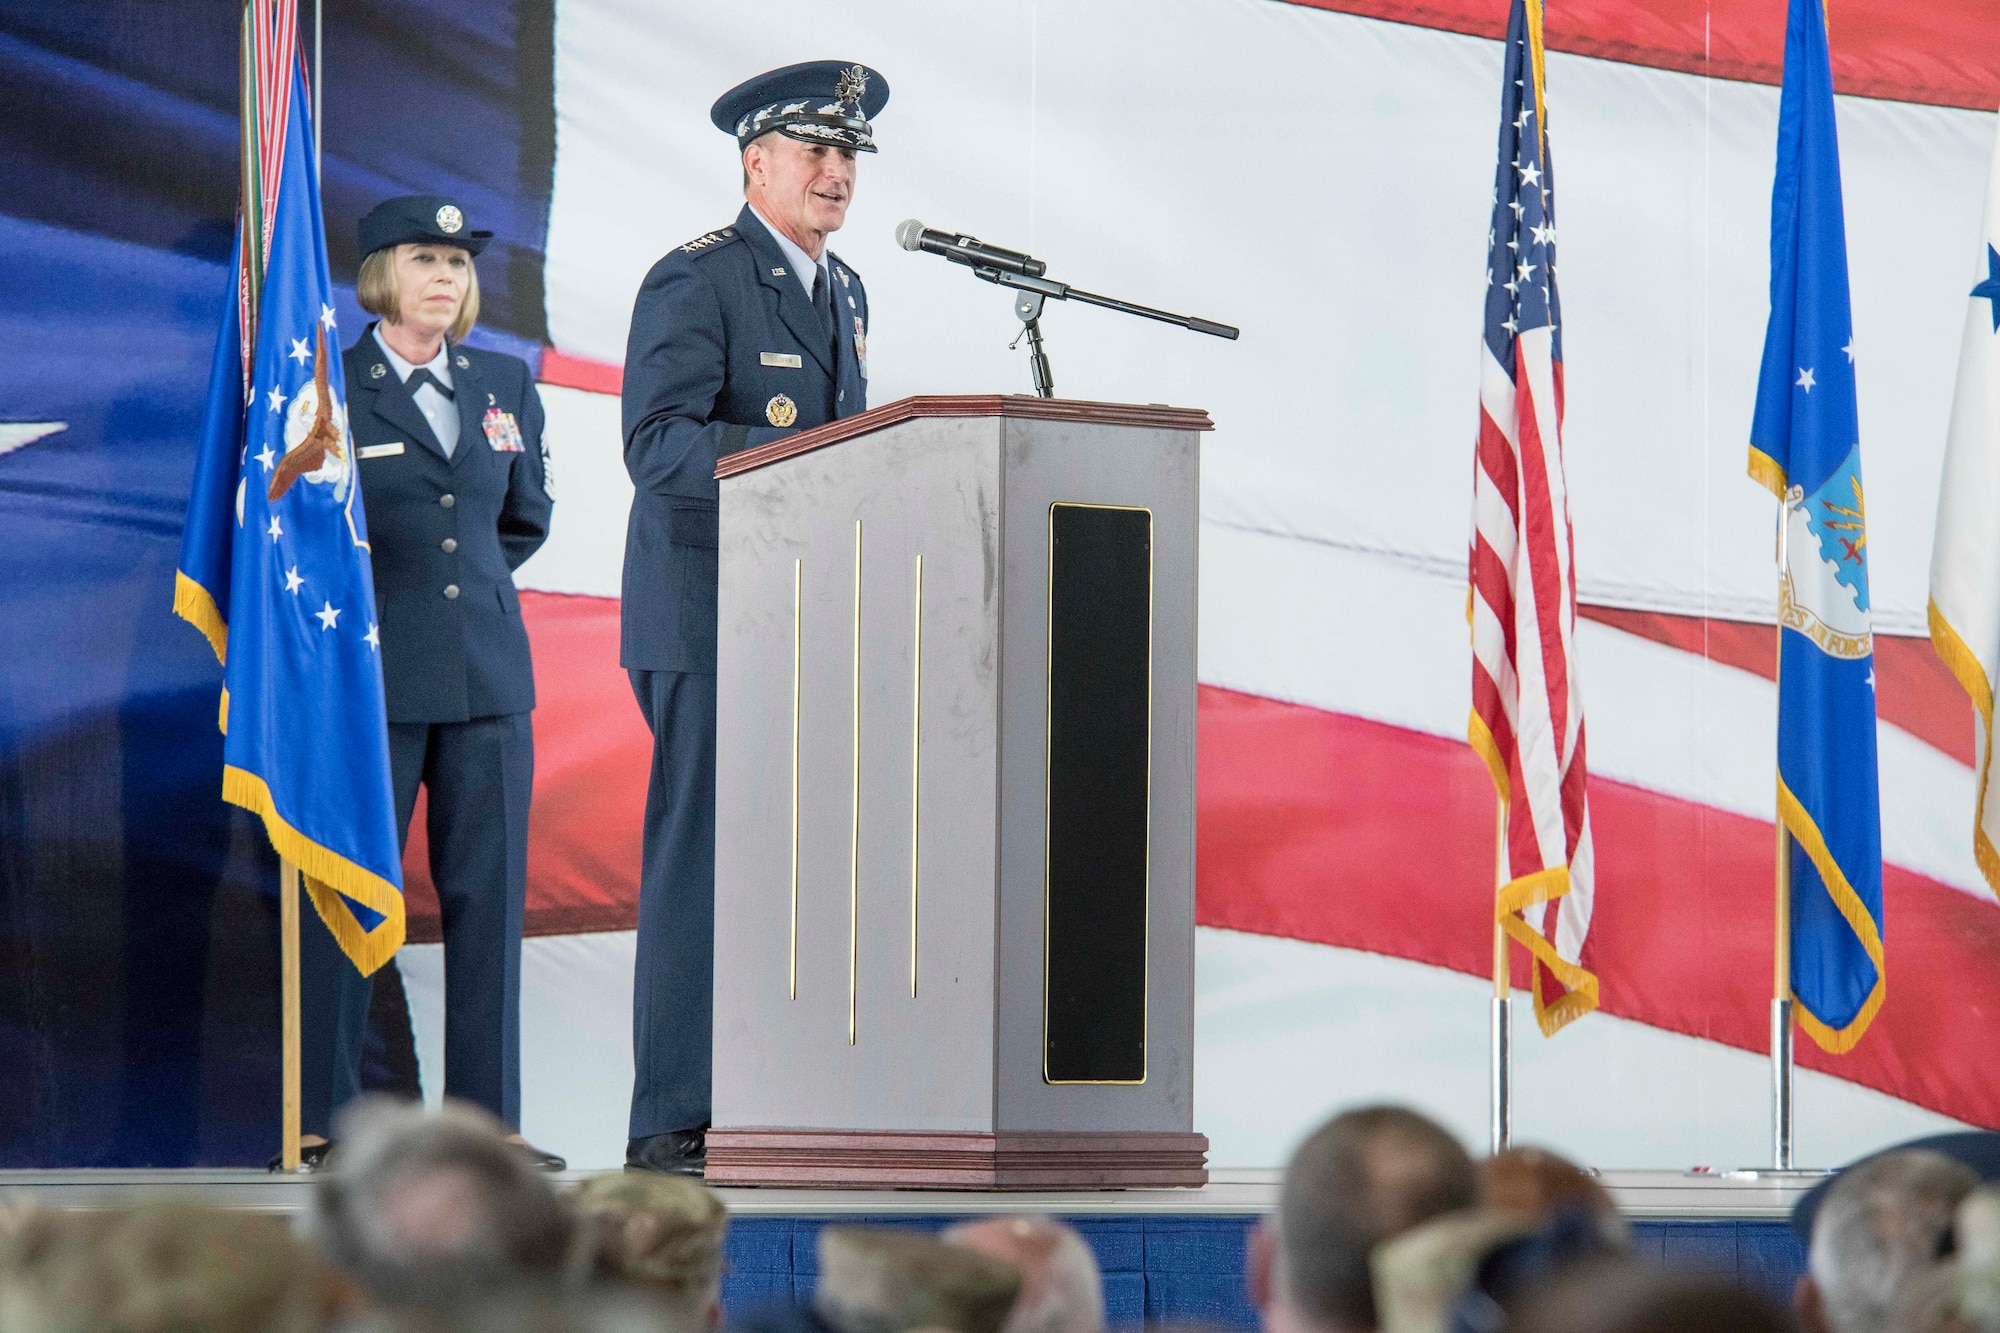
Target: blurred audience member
(1364, 1177)
(1061, 1290)
(1962, 1294)
(528, 1311)
(433, 1210)
(162, 1268)
(1621, 1296)
(883, 1280)
(1538, 1216)
(1978, 1149)
(1880, 1229)
(1536, 1184)
(1423, 1275)
(660, 1236)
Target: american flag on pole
(1527, 706)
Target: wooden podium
(954, 871)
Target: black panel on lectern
(1099, 758)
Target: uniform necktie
(823, 298)
(420, 377)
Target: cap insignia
(853, 83)
(450, 219)
(793, 109)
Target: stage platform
(1169, 1256)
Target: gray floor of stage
(1641, 1195)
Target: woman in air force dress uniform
(448, 442)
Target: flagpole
(288, 987)
(1781, 951)
(1500, 1057)
(318, 148)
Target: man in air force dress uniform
(741, 336)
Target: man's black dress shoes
(542, 1159)
(312, 1156)
(678, 1152)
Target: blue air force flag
(1805, 446)
(274, 568)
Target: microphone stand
(1028, 307)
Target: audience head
(883, 1280)
(1962, 1294)
(1061, 1291)
(1362, 1178)
(161, 1268)
(1537, 1185)
(534, 1310)
(659, 1235)
(1881, 1227)
(1621, 1296)
(434, 1209)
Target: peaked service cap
(820, 101)
(418, 219)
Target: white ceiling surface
(1286, 1033)
(1323, 181)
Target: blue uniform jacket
(722, 329)
(447, 534)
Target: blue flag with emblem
(274, 564)
(1805, 446)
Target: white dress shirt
(438, 410)
(802, 263)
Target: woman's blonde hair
(378, 292)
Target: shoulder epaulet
(710, 241)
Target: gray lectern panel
(1048, 463)
(869, 784)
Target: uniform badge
(502, 432)
(781, 411)
(861, 347)
(450, 219)
(377, 371)
(463, 363)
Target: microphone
(967, 250)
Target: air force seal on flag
(1825, 594)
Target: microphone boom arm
(1029, 307)
(1062, 291)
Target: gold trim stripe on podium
(798, 603)
(916, 758)
(854, 831)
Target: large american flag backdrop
(1318, 173)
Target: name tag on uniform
(790, 360)
(380, 450)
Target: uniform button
(449, 544)
(447, 500)
(841, 397)
(450, 591)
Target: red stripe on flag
(576, 372)
(1318, 826)
(1322, 827)
(1543, 531)
(1914, 689)
(1942, 52)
